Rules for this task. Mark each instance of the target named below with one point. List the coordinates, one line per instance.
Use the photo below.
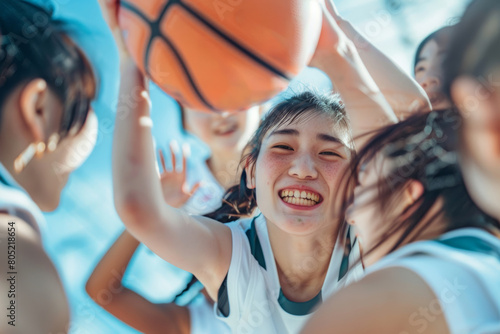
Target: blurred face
(298, 173)
(480, 138)
(364, 213)
(429, 74)
(223, 131)
(45, 177)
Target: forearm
(402, 92)
(136, 184)
(191, 243)
(109, 271)
(364, 102)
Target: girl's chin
(299, 225)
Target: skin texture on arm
(338, 58)
(35, 291)
(105, 288)
(198, 245)
(393, 300)
(400, 90)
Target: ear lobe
(32, 102)
(249, 170)
(415, 190)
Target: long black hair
(33, 45)
(421, 148)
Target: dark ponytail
(33, 45)
(238, 202)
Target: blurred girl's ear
(414, 191)
(250, 171)
(34, 108)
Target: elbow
(103, 295)
(135, 212)
(96, 292)
(91, 290)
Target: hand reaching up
(174, 184)
(331, 38)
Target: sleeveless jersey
(462, 268)
(251, 300)
(203, 320)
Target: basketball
(220, 54)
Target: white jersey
(250, 299)
(462, 268)
(203, 320)
(15, 201)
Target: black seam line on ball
(155, 32)
(235, 43)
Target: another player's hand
(110, 12)
(331, 39)
(174, 185)
(332, 9)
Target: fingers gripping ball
(221, 54)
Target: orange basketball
(221, 54)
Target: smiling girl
(269, 273)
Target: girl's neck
(224, 167)
(302, 261)
(431, 231)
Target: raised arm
(402, 92)
(105, 288)
(199, 245)
(338, 58)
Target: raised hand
(110, 11)
(174, 184)
(330, 39)
(332, 9)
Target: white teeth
(300, 197)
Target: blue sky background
(86, 224)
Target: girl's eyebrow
(421, 59)
(319, 136)
(292, 132)
(328, 138)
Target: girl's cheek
(334, 171)
(273, 160)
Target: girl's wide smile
(300, 198)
